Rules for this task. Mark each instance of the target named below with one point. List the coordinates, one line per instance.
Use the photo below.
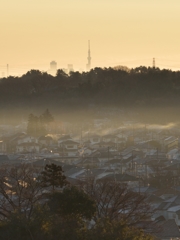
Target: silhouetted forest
(141, 88)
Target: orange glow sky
(122, 32)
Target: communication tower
(88, 65)
(7, 70)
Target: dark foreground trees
(19, 190)
(31, 209)
(106, 229)
(52, 176)
(117, 202)
(72, 202)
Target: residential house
(27, 139)
(126, 179)
(30, 147)
(169, 143)
(63, 138)
(45, 141)
(3, 146)
(94, 139)
(70, 147)
(167, 230)
(173, 154)
(4, 159)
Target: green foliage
(66, 214)
(61, 74)
(67, 228)
(72, 202)
(53, 176)
(106, 230)
(18, 226)
(51, 227)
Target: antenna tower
(88, 65)
(7, 70)
(154, 63)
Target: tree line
(38, 125)
(39, 205)
(140, 86)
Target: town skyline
(121, 33)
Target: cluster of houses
(128, 155)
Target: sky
(122, 32)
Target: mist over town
(89, 120)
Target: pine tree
(31, 127)
(36, 126)
(47, 117)
(53, 176)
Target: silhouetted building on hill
(70, 68)
(53, 68)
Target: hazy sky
(122, 32)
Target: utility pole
(108, 154)
(88, 135)
(121, 163)
(139, 184)
(132, 161)
(146, 170)
(81, 134)
(114, 176)
(157, 154)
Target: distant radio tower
(88, 65)
(154, 63)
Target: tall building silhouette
(88, 65)
(53, 68)
(70, 68)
